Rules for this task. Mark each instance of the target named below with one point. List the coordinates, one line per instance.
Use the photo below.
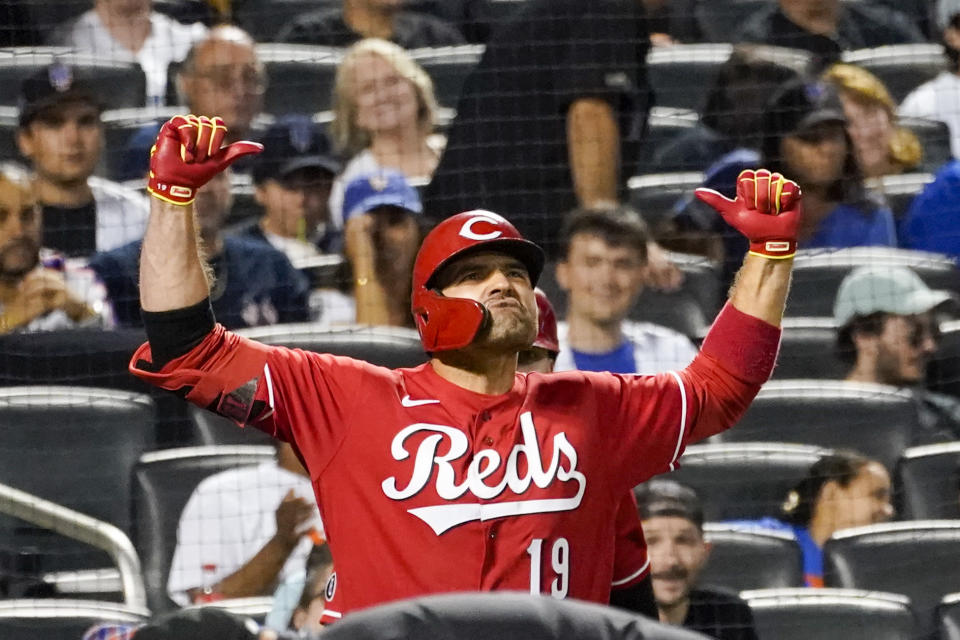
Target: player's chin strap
(447, 324)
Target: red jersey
(426, 487)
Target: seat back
(162, 483)
(300, 77)
(817, 274)
(901, 67)
(9, 121)
(744, 481)
(920, 559)
(876, 420)
(655, 194)
(664, 125)
(720, 20)
(391, 347)
(682, 75)
(57, 619)
(943, 372)
(948, 617)
(934, 138)
(900, 189)
(264, 19)
(117, 84)
(807, 350)
(448, 67)
(830, 614)
(741, 560)
(926, 481)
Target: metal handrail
(78, 526)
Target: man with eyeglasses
(887, 330)
(221, 74)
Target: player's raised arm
(186, 155)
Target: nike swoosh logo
(407, 402)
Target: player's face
(228, 81)
(865, 500)
(19, 232)
(602, 281)
(677, 553)
(64, 142)
(502, 285)
(903, 349)
(385, 100)
(815, 157)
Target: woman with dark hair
(841, 490)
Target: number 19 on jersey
(559, 554)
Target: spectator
(550, 119)
(601, 269)
(841, 490)
(253, 284)
(245, 530)
(673, 524)
(384, 110)
(803, 134)
(131, 31)
(881, 146)
(887, 331)
(939, 99)
(732, 115)
(383, 234)
(357, 19)
(61, 135)
(299, 602)
(221, 74)
(932, 222)
(828, 27)
(40, 291)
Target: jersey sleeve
(299, 397)
(630, 563)
(655, 417)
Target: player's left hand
(767, 211)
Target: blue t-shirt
(850, 226)
(932, 222)
(620, 360)
(812, 553)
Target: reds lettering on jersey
(425, 487)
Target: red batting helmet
(547, 333)
(452, 323)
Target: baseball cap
(889, 289)
(383, 188)
(800, 104)
(293, 143)
(668, 498)
(53, 85)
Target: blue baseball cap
(383, 188)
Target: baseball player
(460, 474)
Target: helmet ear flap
(445, 323)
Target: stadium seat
(300, 77)
(689, 310)
(920, 559)
(504, 616)
(743, 481)
(900, 189)
(877, 420)
(934, 137)
(663, 127)
(213, 429)
(926, 482)
(655, 194)
(118, 84)
(775, 559)
(8, 133)
(830, 614)
(74, 446)
(948, 617)
(254, 607)
(817, 273)
(448, 67)
(118, 126)
(721, 20)
(943, 372)
(390, 347)
(901, 67)
(162, 483)
(264, 19)
(56, 619)
(807, 350)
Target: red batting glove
(187, 154)
(767, 211)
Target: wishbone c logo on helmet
(452, 323)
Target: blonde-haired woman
(384, 109)
(882, 148)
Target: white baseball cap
(896, 290)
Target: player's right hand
(188, 153)
(767, 211)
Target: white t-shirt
(228, 519)
(938, 99)
(169, 41)
(655, 348)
